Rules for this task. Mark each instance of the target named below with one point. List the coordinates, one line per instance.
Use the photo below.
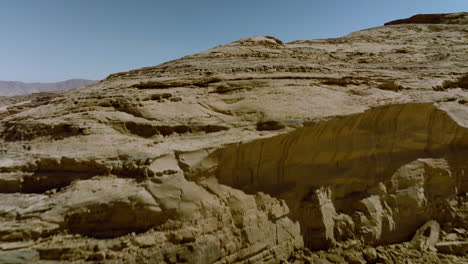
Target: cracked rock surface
(258, 151)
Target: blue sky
(53, 40)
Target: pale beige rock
(370, 221)
(427, 236)
(145, 241)
(453, 247)
(166, 164)
(317, 219)
(344, 227)
(107, 208)
(245, 152)
(370, 254)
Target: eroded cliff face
(251, 152)
(375, 176)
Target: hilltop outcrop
(453, 18)
(258, 151)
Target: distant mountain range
(10, 88)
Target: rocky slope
(257, 151)
(12, 88)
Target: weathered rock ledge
(258, 151)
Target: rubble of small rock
(346, 150)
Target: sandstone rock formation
(253, 152)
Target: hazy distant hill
(10, 88)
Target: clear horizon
(55, 40)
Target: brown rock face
(251, 152)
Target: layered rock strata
(250, 152)
(376, 176)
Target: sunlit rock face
(251, 152)
(389, 169)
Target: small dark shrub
(336, 81)
(402, 51)
(160, 97)
(269, 125)
(461, 82)
(390, 86)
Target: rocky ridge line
(257, 151)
